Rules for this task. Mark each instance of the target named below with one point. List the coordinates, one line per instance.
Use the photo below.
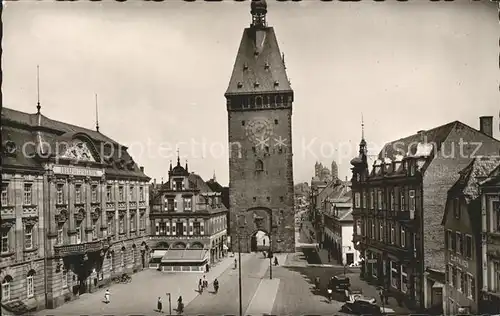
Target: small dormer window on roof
(266, 66)
(239, 85)
(276, 83)
(256, 53)
(256, 84)
(245, 67)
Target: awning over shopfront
(157, 255)
(185, 255)
(225, 247)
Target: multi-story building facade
(259, 104)
(489, 189)
(189, 223)
(400, 207)
(74, 211)
(462, 225)
(338, 226)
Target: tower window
(253, 149)
(255, 199)
(242, 123)
(259, 165)
(276, 122)
(267, 149)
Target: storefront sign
(460, 261)
(78, 171)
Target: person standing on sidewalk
(106, 296)
(275, 260)
(159, 305)
(235, 263)
(216, 286)
(200, 286)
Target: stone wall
(260, 191)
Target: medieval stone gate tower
(259, 104)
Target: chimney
(421, 136)
(142, 169)
(486, 125)
(154, 182)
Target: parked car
(360, 306)
(339, 283)
(352, 294)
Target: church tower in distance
(259, 105)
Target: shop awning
(225, 247)
(185, 255)
(158, 253)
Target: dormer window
(259, 165)
(276, 83)
(245, 67)
(239, 85)
(256, 84)
(266, 66)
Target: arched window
(259, 165)
(6, 288)
(30, 284)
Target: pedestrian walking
(235, 263)
(200, 286)
(159, 305)
(107, 294)
(216, 286)
(205, 282)
(180, 305)
(275, 260)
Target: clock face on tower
(259, 130)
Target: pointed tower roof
(259, 66)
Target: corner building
(399, 207)
(74, 212)
(259, 105)
(190, 223)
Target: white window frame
(5, 194)
(30, 286)
(122, 259)
(121, 224)
(110, 224)
(381, 232)
(404, 285)
(380, 199)
(60, 235)
(411, 200)
(141, 193)
(133, 255)
(188, 204)
(109, 194)
(402, 237)
(28, 235)
(60, 194)
(357, 200)
(393, 200)
(364, 199)
(5, 290)
(111, 261)
(64, 278)
(94, 196)
(458, 242)
(460, 275)
(133, 220)
(27, 194)
(142, 221)
(374, 267)
(121, 196)
(5, 240)
(450, 275)
(131, 193)
(393, 269)
(175, 205)
(373, 230)
(393, 234)
(372, 199)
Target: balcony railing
(80, 249)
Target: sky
(160, 70)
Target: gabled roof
(407, 144)
(214, 185)
(478, 170)
(265, 68)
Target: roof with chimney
(443, 151)
(259, 66)
(43, 139)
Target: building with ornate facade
(398, 207)
(74, 211)
(462, 222)
(259, 105)
(189, 223)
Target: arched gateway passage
(259, 241)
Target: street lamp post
(169, 303)
(271, 252)
(242, 226)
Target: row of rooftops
(31, 139)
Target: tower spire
(96, 114)
(258, 9)
(213, 177)
(178, 157)
(362, 127)
(38, 106)
(362, 144)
